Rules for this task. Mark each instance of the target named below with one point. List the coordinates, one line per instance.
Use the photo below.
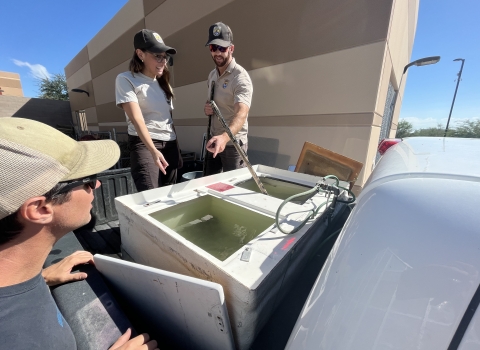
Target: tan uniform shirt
(233, 86)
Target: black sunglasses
(90, 181)
(214, 48)
(160, 58)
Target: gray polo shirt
(233, 86)
(155, 107)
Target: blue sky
(450, 29)
(40, 38)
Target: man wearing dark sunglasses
(47, 181)
(233, 95)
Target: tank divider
(247, 205)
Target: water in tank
(213, 224)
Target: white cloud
(423, 123)
(36, 70)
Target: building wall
(398, 51)
(320, 69)
(10, 84)
(51, 112)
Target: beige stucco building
(10, 84)
(324, 71)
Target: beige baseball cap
(34, 157)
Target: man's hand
(159, 160)
(208, 109)
(61, 272)
(217, 144)
(141, 342)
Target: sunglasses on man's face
(214, 48)
(90, 181)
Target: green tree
(404, 129)
(467, 128)
(54, 88)
(434, 131)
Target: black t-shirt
(30, 319)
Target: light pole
(455, 94)
(420, 62)
(388, 118)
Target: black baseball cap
(220, 34)
(147, 39)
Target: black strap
(465, 322)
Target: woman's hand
(159, 160)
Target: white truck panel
(407, 262)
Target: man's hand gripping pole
(240, 151)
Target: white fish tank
(220, 228)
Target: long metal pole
(455, 94)
(212, 93)
(240, 151)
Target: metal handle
(240, 151)
(212, 92)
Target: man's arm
(61, 272)
(217, 143)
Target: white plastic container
(257, 274)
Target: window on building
(387, 115)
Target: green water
(215, 225)
(277, 188)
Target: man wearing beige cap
(233, 91)
(47, 181)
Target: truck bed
(105, 239)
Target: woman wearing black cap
(146, 96)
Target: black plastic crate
(115, 183)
